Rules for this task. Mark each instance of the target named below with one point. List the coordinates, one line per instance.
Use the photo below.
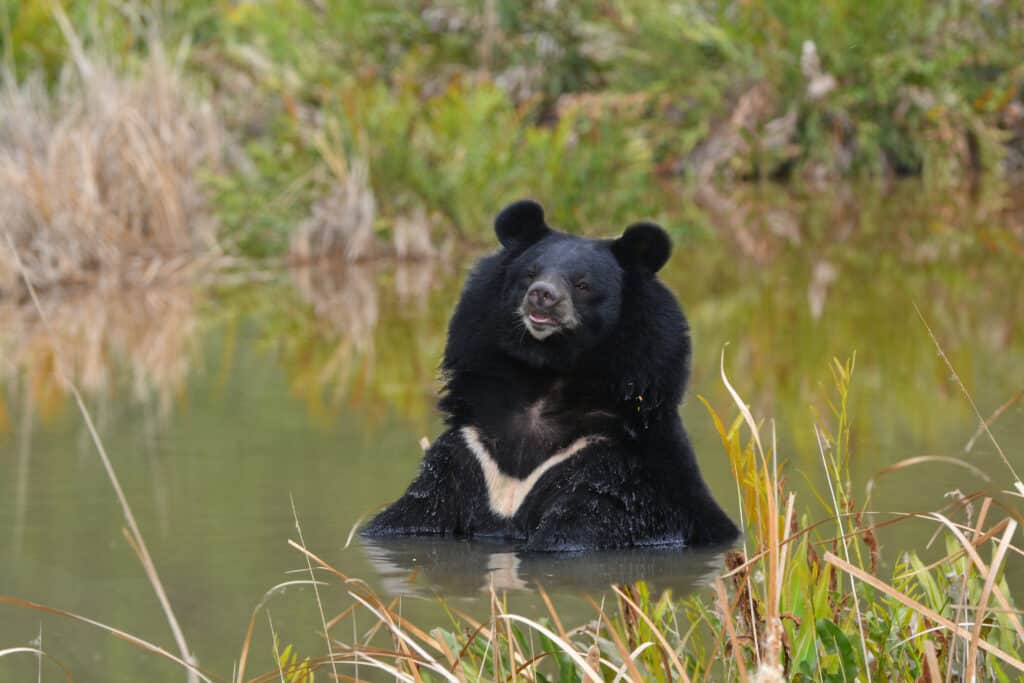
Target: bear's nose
(542, 295)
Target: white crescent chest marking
(506, 494)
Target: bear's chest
(524, 423)
(506, 492)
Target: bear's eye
(531, 272)
(582, 286)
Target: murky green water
(221, 407)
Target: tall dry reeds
(340, 224)
(100, 172)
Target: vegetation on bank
(363, 124)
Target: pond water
(223, 407)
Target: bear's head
(563, 295)
(563, 307)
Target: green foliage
(459, 108)
(838, 661)
(460, 153)
(291, 669)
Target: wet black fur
(621, 375)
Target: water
(220, 408)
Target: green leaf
(836, 643)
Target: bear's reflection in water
(425, 566)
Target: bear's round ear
(520, 224)
(643, 245)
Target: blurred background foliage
(596, 108)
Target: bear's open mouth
(541, 318)
(541, 324)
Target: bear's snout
(543, 296)
(547, 308)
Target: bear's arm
(430, 506)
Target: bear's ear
(520, 224)
(643, 245)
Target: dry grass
(342, 223)
(101, 172)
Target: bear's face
(563, 295)
(564, 285)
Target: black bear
(565, 365)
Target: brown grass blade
(992, 419)
(415, 630)
(969, 547)
(924, 459)
(313, 556)
(478, 631)
(453, 661)
(244, 656)
(967, 395)
(333, 621)
(565, 646)
(927, 612)
(404, 640)
(371, 633)
(986, 505)
(38, 653)
(676, 662)
(986, 593)
(316, 589)
(730, 629)
(619, 644)
(116, 632)
(932, 661)
(551, 610)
